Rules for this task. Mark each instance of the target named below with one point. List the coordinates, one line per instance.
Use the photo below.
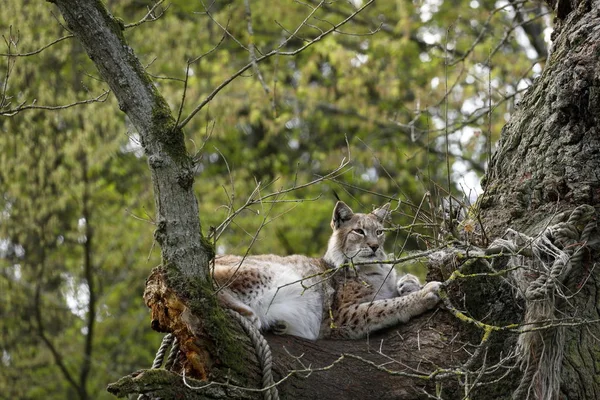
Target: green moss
(120, 22)
(573, 355)
(207, 246)
(117, 25)
(596, 358)
(595, 350)
(156, 382)
(166, 132)
(203, 303)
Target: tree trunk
(178, 228)
(185, 252)
(547, 162)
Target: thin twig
(150, 17)
(11, 112)
(251, 48)
(38, 51)
(268, 55)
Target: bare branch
(38, 51)
(268, 55)
(150, 16)
(98, 99)
(187, 75)
(256, 200)
(223, 28)
(251, 48)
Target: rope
(263, 353)
(544, 247)
(587, 215)
(571, 241)
(166, 343)
(172, 355)
(553, 254)
(524, 387)
(544, 285)
(160, 354)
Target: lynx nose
(374, 247)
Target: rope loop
(263, 353)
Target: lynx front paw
(433, 286)
(430, 293)
(407, 284)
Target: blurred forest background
(402, 92)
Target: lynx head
(356, 237)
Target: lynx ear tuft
(341, 214)
(382, 213)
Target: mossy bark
(168, 385)
(188, 308)
(548, 161)
(178, 230)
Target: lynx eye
(379, 232)
(359, 231)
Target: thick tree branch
(178, 226)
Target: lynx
(346, 294)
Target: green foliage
(74, 186)
(55, 165)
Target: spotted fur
(346, 294)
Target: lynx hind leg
(280, 327)
(407, 284)
(230, 301)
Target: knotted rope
(552, 255)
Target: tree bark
(178, 229)
(547, 162)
